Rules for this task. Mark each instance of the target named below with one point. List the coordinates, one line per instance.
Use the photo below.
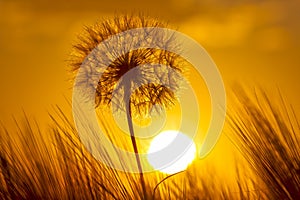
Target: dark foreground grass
(52, 164)
(268, 135)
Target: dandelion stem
(132, 137)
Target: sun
(181, 152)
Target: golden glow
(164, 139)
(248, 41)
(252, 43)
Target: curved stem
(153, 193)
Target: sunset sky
(252, 42)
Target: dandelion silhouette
(140, 93)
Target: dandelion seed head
(145, 83)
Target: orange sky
(251, 42)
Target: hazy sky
(250, 41)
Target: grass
(268, 136)
(53, 164)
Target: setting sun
(183, 151)
(150, 100)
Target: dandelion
(114, 87)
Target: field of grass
(53, 164)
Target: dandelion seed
(141, 92)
